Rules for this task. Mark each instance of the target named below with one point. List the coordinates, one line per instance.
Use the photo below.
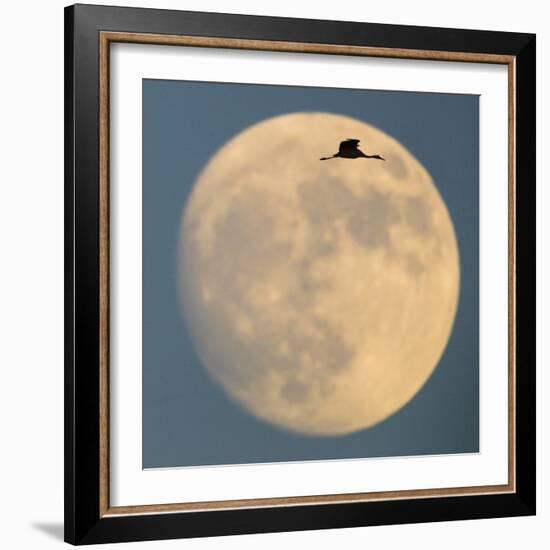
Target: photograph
(299, 274)
(310, 273)
(275, 275)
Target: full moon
(319, 294)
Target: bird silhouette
(349, 150)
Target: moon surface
(319, 294)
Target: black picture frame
(85, 523)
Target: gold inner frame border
(108, 37)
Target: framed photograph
(300, 274)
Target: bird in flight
(349, 150)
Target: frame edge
(69, 459)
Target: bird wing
(348, 145)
